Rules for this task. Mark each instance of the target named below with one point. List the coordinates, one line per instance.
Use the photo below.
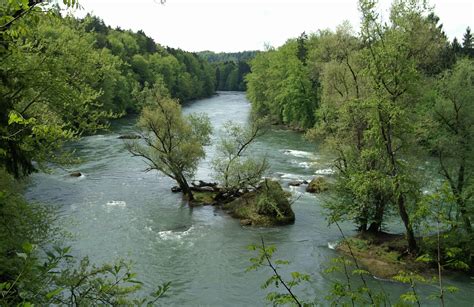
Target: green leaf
(53, 293)
(424, 258)
(15, 118)
(27, 247)
(22, 255)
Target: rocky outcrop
(297, 183)
(317, 185)
(268, 205)
(176, 189)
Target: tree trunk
(412, 245)
(376, 225)
(363, 221)
(459, 199)
(386, 131)
(464, 215)
(183, 184)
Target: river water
(118, 211)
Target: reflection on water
(117, 210)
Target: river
(118, 211)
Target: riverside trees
(451, 136)
(383, 101)
(69, 77)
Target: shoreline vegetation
(399, 121)
(384, 255)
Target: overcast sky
(237, 25)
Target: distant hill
(235, 57)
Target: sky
(237, 25)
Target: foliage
(264, 259)
(223, 57)
(69, 77)
(233, 167)
(173, 143)
(62, 281)
(450, 135)
(230, 68)
(346, 291)
(272, 200)
(451, 247)
(370, 98)
(231, 76)
(19, 222)
(50, 96)
(186, 75)
(280, 86)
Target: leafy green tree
(280, 86)
(51, 83)
(451, 135)
(394, 74)
(302, 50)
(173, 143)
(233, 168)
(343, 120)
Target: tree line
(230, 68)
(394, 102)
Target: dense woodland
(384, 99)
(230, 68)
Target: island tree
(171, 142)
(233, 168)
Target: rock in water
(317, 185)
(295, 183)
(75, 174)
(246, 222)
(176, 189)
(129, 137)
(269, 205)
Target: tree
(343, 121)
(233, 168)
(302, 50)
(51, 92)
(456, 46)
(452, 135)
(468, 43)
(281, 87)
(395, 78)
(173, 143)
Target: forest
(385, 98)
(392, 102)
(230, 68)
